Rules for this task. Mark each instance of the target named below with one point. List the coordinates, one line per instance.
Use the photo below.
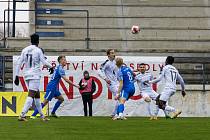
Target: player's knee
(61, 99)
(147, 99)
(45, 102)
(122, 101)
(162, 105)
(31, 93)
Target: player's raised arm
(101, 72)
(17, 69)
(43, 60)
(120, 79)
(181, 81)
(159, 78)
(70, 82)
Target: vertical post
(87, 39)
(13, 18)
(4, 30)
(8, 18)
(204, 78)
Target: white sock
(39, 106)
(170, 109)
(120, 114)
(165, 112)
(27, 105)
(149, 109)
(115, 108)
(156, 110)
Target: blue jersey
(126, 74)
(58, 73)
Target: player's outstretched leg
(115, 108)
(156, 112)
(57, 105)
(176, 114)
(27, 105)
(33, 116)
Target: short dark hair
(170, 60)
(60, 57)
(85, 72)
(35, 39)
(142, 64)
(108, 51)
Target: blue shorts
(127, 93)
(51, 93)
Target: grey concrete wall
(196, 103)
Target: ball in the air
(135, 29)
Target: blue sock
(36, 111)
(56, 106)
(120, 108)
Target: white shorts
(33, 84)
(149, 93)
(113, 88)
(166, 94)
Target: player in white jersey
(170, 74)
(146, 90)
(108, 72)
(31, 57)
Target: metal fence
(87, 38)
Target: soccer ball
(135, 29)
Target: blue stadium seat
(50, 11)
(50, 34)
(50, 1)
(50, 22)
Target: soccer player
(52, 90)
(108, 71)
(31, 57)
(126, 87)
(146, 90)
(170, 74)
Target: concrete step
(147, 45)
(138, 2)
(52, 43)
(114, 11)
(49, 1)
(180, 23)
(125, 34)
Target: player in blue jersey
(52, 90)
(126, 87)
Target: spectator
(87, 88)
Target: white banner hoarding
(103, 102)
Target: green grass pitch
(103, 128)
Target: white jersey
(109, 70)
(31, 57)
(170, 75)
(142, 81)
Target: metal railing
(87, 39)
(2, 68)
(199, 74)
